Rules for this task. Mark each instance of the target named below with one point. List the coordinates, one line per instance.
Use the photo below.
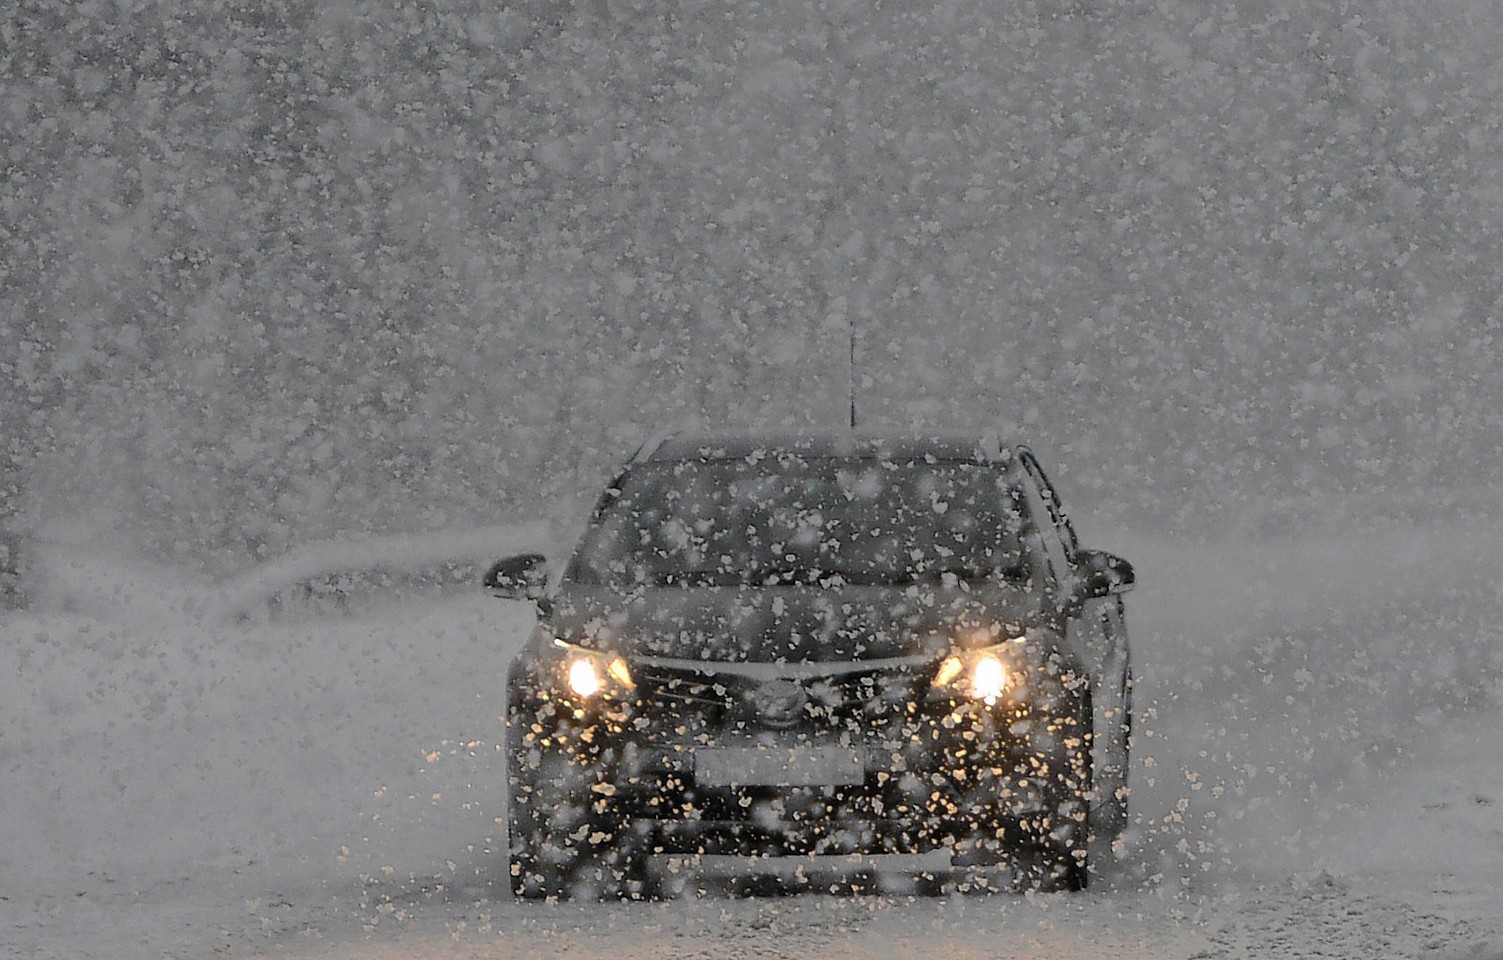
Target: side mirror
(1104, 574)
(523, 577)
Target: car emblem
(778, 703)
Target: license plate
(798, 765)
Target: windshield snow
(828, 521)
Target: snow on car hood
(788, 623)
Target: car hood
(786, 624)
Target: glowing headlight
(988, 679)
(589, 672)
(979, 674)
(584, 678)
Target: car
(826, 661)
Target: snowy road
(1317, 772)
(1296, 920)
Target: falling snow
(312, 309)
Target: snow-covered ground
(1317, 772)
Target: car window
(805, 520)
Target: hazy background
(287, 270)
(278, 275)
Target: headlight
(589, 673)
(585, 678)
(985, 674)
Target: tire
(1109, 814)
(1048, 850)
(566, 842)
(1118, 803)
(1064, 847)
(580, 860)
(1060, 863)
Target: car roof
(969, 447)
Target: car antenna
(851, 371)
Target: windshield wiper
(792, 575)
(705, 577)
(785, 574)
(963, 574)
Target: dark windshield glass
(805, 520)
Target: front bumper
(948, 790)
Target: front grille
(865, 701)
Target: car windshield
(808, 520)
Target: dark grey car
(833, 662)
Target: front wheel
(559, 853)
(564, 836)
(1046, 843)
(562, 868)
(1064, 834)
(1109, 809)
